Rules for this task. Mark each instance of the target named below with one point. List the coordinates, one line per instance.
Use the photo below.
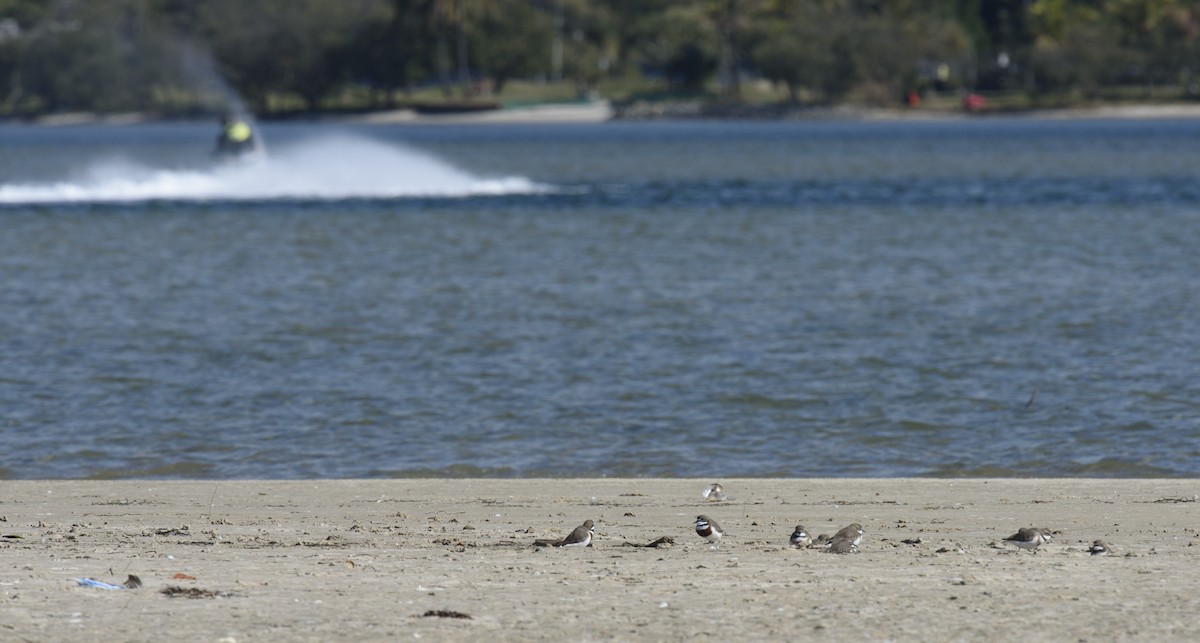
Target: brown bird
(852, 532)
(840, 545)
(580, 537)
(708, 528)
(1029, 538)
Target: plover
(714, 492)
(708, 528)
(840, 545)
(852, 532)
(1029, 538)
(822, 541)
(800, 538)
(1099, 548)
(581, 537)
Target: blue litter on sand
(91, 582)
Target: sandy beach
(601, 111)
(400, 559)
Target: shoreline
(603, 111)
(369, 559)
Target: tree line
(181, 55)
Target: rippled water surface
(978, 297)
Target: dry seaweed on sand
(446, 614)
(664, 541)
(175, 591)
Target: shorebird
(1029, 538)
(800, 538)
(580, 537)
(714, 492)
(841, 545)
(852, 532)
(1099, 548)
(708, 528)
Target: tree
(302, 48)
(512, 41)
(890, 49)
(1087, 57)
(389, 56)
(807, 50)
(94, 56)
(681, 46)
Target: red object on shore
(973, 102)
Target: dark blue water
(969, 298)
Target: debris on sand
(175, 591)
(446, 614)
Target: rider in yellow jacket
(236, 137)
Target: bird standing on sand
(708, 528)
(800, 538)
(1029, 538)
(580, 537)
(714, 492)
(840, 545)
(852, 532)
(1099, 548)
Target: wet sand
(367, 560)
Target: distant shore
(443, 559)
(603, 111)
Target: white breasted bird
(800, 537)
(581, 537)
(840, 545)
(1029, 538)
(709, 529)
(714, 492)
(852, 532)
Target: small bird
(852, 532)
(708, 528)
(580, 537)
(840, 545)
(821, 541)
(1099, 548)
(1029, 538)
(800, 538)
(714, 492)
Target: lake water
(965, 298)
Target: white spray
(200, 67)
(336, 166)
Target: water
(969, 298)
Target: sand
(367, 560)
(601, 111)
(597, 111)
